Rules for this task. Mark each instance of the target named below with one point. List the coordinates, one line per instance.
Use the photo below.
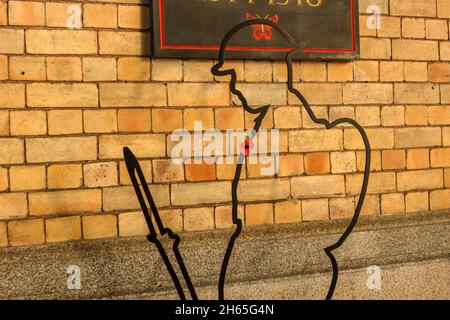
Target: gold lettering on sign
(309, 3)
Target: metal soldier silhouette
(260, 112)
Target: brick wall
(71, 99)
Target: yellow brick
(375, 48)
(418, 159)
(46, 95)
(375, 160)
(393, 116)
(419, 180)
(27, 123)
(416, 201)
(64, 202)
(371, 205)
(63, 229)
(287, 117)
(315, 210)
(96, 121)
(343, 162)
(391, 71)
(4, 123)
(26, 232)
(199, 193)
(132, 224)
(366, 71)
(417, 137)
(3, 13)
(198, 94)
(4, 183)
(255, 93)
(11, 151)
(314, 186)
(315, 140)
(62, 14)
(28, 13)
(99, 69)
(27, 178)
(288, 211)
(440, 199)
(124, 198)
(416, 93)
(379, 182)
(132, 95)
(63, 176)
(144, 145)
(369, 116)
(3, 67)
(124, 43)
(133, 69)
(146, 166)
(61, 149)
(437, 29)
(439, 115)
(340, 71)
(167, 70)
(100, 15)
(445, 51)
(262, 190)
(420, 8)
(440, 157)
(342, 208)
(134, 120)
(64, 69)
(421, 50)
(413, 28)
(390, 27)
(229, 118)
(257, 71)
(61, 41)
(256, 214)
(223, 216)
(392, 203)
(447, 177)
(3, 231)
(205, 116)
(416, 115)
(315, 93)
(12, 41)
(100, 174)
(290, 165)
(416, 71)
(99, 226)
(393, 159)
(445, 93)
(166, 120)
(65, 122)
(199, 219)
(15, 94)
(368, 93)
(27, 68)
(379, 138)
(14, 205)
(313, 71)
(443, 9)
(134, 17)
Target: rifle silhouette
(134, 169)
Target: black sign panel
(195, 28)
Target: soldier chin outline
(297, 49)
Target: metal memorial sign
(194, 28)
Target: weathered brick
(416, 115)
(446, 136)
(200, 71)
(287, 117)
(437, 29)
(203, 115)
(61, 41)
(27, 68)
(315, 140)
(99, 226)
(199, 193)
(416, 71)
(418, 159)
(369, 116)
(96, 121)
(4, 183)
(417, 137)
(445, 94)
(379, 182)
(382, 4)
(4, 123)
(100, 15)
(166, 120)
(64, 202)
(124, 43)
(64, 69)
(372, 48)
(3, 228)
(198, 219)
(99, 69)
(340, 71)
(419, 180)
(391, 71)
(134, 120)
(146, 166)
(392, 203)
(393, 159)
(11, 151)
(62, 229)
(317, 163)
(343, 162)
(313, 186)
(198, 94)
(134, 17)
(15, 94)
(223, 216)
(315, 210)
(61, 149)
(132, 224)
(261, 213)
(132, 94)
(167, 70)
(229, 118)
(315, 93)
(143, 145)
(124, 198)
(14, 205)
(288, 211)
(28, 13)
(3, 67)
(313, 71)
(379, 138)
(447, 178)
(365, 70)
(342, 208)
(390, 27)
(392, 116)
(63, 176)
(3, 13)
(46, 95)
(439, 72)
(28, 123)
(440, 157)
(413, 28)
(403, 49)
(12, 41)
(367, 93)
(26, 232)
(57, 14)
(260, 190)
(419, 8)
(290, 165)
(65, 122)
(133, 69)
(439, 115)
(416, 93)
(443, 9)
(371, 205)
(101, 174)
(200, 172)
(166, 170)
(440, 199)
(416, 201)
(27, 178)
(375, 160)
